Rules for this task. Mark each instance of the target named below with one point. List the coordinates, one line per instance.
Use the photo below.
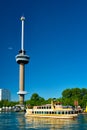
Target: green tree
(67, 93)
(36, 100)
(70, 95)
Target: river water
(17, 121)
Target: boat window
(52, 112)
(62, 112)
(59, 112)
(71, 112)
(66, 112)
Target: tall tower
(22, 59)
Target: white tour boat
(53, 110)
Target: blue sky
(55, 40)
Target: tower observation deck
(22, 59)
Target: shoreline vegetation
(74, 97)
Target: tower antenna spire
(22, 33)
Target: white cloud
(10, 48)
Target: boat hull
(60, 116)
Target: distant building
(5, 94)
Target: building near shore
(5, 94)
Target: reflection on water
(50, 123)
(17, 121)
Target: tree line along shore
(70, 97)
